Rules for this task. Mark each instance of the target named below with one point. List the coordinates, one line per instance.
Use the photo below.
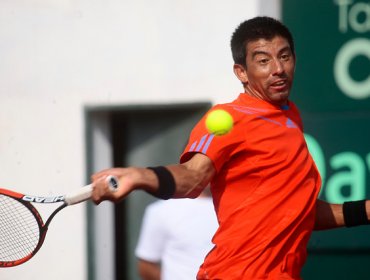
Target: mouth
(279, 85)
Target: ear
(241, 73)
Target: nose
(278, 67)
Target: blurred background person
(175, 237)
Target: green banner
(332, 39)
(344, 167)
(340, 147)
(332, 90)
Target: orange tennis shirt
(264, 192)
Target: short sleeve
(218, 148)
(152, 236)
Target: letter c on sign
(350, 87)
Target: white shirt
(177, 233)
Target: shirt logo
(203, 144)
(290, 124)
(256, 112)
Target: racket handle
(84, 193)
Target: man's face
(270, 70)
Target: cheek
(291, 77)
(259, 76)
(290, 69)
(258, 81)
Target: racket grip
(79, 195)
(84, 193)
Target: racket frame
(75, 197)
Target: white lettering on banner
(357, 17)
(349, 86)
(349, 173)
(351, 15)
(343, 12)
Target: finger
(104, 188)
(98, 175)
(98, 190)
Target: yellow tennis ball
(219, 122)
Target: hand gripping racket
(22, 230)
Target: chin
(281, 98)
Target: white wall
(57, 56)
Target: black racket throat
(64, 205)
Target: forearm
(329, 216)
(172, 181)
(180, 180)
(148, 270)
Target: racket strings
(19, 230)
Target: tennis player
(264, 182)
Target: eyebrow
(284, 49)
(287, 48)
(255, 53)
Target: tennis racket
(22, 230)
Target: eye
(263, 61)
(285, 57)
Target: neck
(248, 90)
(279, 103)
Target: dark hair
(255, 29)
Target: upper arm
(202, 164)
(192, 176)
